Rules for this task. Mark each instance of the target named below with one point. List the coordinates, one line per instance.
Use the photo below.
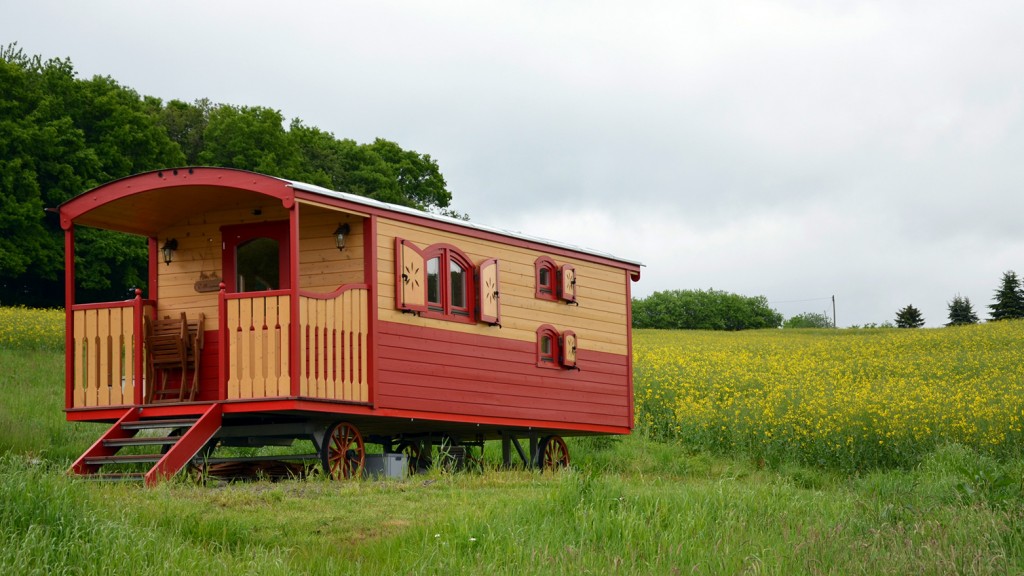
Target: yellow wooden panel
(283, 356)
(234, 336)
(305, 386)
(364, 324)
(80, 378)
(115, 355)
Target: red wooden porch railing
(256, 357)
(105, 353)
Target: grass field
(677, 497)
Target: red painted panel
(432, 370)
(209, 367)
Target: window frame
(547, 291)
(446, 254)
(234, 236)
(552, 358)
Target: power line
(805, 300)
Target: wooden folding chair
(166, 350)
(193, 353)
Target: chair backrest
(194, 333)
(167, 340)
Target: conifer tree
(961, 311)
(1009, 299)
(909, 317)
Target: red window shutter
(488, 302)
(569, 349)
(567, 283)
(410, 277)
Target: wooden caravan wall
(599, 321)
(477, 370)
(199, 257)
(322, 268)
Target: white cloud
(794, 149)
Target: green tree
(961, 311)
(249, 138)
(909, 317)
(186, 125)
(1009, 298)
(808, 320)
(60, 136)
(703, 310)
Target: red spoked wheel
(554, 453)
(342, 452)
(415, 457)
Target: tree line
(704, 310)
(718, 310)
(1007, 304)
(61, 135)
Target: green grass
(629, 505)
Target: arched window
(547, 347)
(256, 256)
(440, 281)
(449, 280)
(546, 278)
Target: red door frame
(235, 234)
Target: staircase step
(164, 423)
(142, 441)
(114, 477)
(126, 459)
(278, 457)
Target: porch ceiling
(148, 213)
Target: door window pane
(257, 265)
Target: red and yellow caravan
(279, 311)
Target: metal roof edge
(363, 200)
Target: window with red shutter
(545, 277)
(488, 302)
(567, 283)
(569, 349)
(547, 347)
(410, 277)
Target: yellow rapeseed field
(31, 328)
(842, 398)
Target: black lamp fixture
(339, 236)
(170, 245)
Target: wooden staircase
(173, 451)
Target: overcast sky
(873, 151)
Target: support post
(139, 343)
(223, 342)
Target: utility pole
(834, 325)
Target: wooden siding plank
(80, 378)
(235, 344)
(494, 411)
(282, 357)
(581, 392)
(361, 302)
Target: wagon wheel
(416, 458)
(342, 452)
(554, 453)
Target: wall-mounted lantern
(339, 236)
(170, 245)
